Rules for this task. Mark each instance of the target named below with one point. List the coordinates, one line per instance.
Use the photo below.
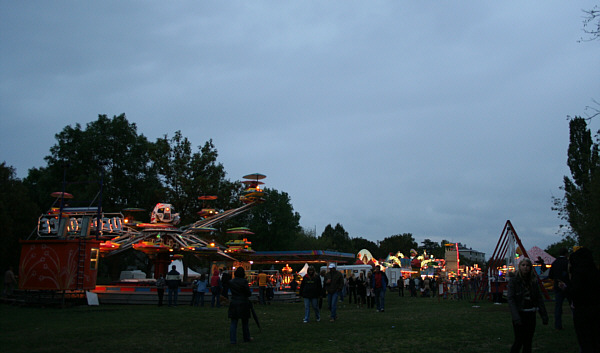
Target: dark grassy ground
(407, 325)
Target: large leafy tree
(336, 238)
(188, 175)
(400, 242)
(554, 248)
(361, 243)
(430, 246)
(108, 149)
(306, 240)
(580, 206)
(17, 216)
(275, 223)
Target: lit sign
(48, 225)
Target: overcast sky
(440, 119)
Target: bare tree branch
(591, 24)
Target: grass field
(407, 325)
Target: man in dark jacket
(310, 290)
(240, 306)
(173, 282)
(559, 272)
(334, 283)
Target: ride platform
(147, 295)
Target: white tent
(535, 252)
(303, 271)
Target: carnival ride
(506, 256)
(206, 212)
(161, 239)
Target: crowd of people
(576, 280)
(333, 285)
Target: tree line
(139, 173)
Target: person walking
(310, 290)
(161, 284)
(239, 306)
(524, 300)
(215, 289)
(334, 282)
(173, 281)
(559, 272)
(379, 283)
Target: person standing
(310, 290)
(262, 286)
(426, 287)
(379, 284)
(583, 291)
(559, 272)
(225, 278)
(351, 288)
(400, 284)
(524, 300)
(361, 289)
(161, 284)
(412, 287)
(173, 282)
(370, 299)
(215, 289)
(201, 289)
(194, 292)
(334, 283)
(239, 306)
(323, 291)
(344, 287)
(10, 281)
